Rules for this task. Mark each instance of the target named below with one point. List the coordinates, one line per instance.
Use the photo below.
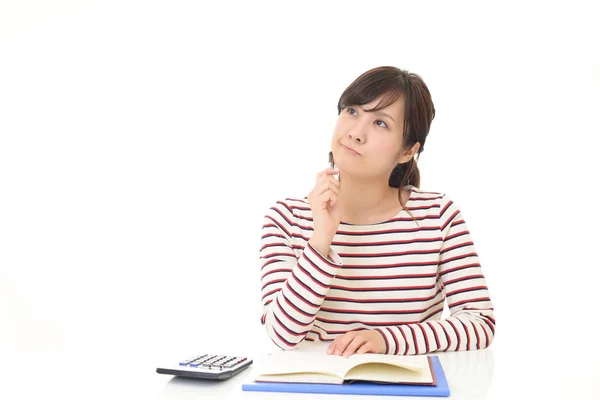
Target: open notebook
(301, 367)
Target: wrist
(320, 244)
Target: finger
(357, 342)
(333, 181)
(321, 190)
(327, 177)
(343, 343)
(333, 346)
(365, 348)
(327, 172)
(333, 199)
(323, 200)
(327, 186)
(332, 187)
(320, 177)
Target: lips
(351, 149)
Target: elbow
(282, 336)
(282, 344)
(488, 324)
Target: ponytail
(403, 175)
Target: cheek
(341, 127)
(388, 149)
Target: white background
(141, 143)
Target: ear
(408, 154)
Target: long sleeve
(471, 324)
(293, 288)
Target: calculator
(207, 366)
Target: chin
(350, 167)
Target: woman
(367, 259)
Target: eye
(351, 111)
(382, 126)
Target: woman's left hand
(360, 342)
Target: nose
(357, 133)
(357, 138)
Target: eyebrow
(381, 113)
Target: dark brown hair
(391, 83)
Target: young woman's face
(369, 144)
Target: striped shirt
(392, 276)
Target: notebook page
(388, 373)
(414, 363)
(300, 377)
(290, 362)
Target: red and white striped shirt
(391, 276)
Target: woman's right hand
(326, 210)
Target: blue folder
(440, 390)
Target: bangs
(388, 99)
(367, 88)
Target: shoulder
(431, 199)
(448, 214)
(426, 195)
(427, 199)
(290, 210)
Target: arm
(471, 324)
(293, 288)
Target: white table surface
(470, 376)
(115, 364)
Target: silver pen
(332, 165)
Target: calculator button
(219, 364)
(208, 366)
(212, 362)
(193, 361)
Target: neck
(361, 198)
